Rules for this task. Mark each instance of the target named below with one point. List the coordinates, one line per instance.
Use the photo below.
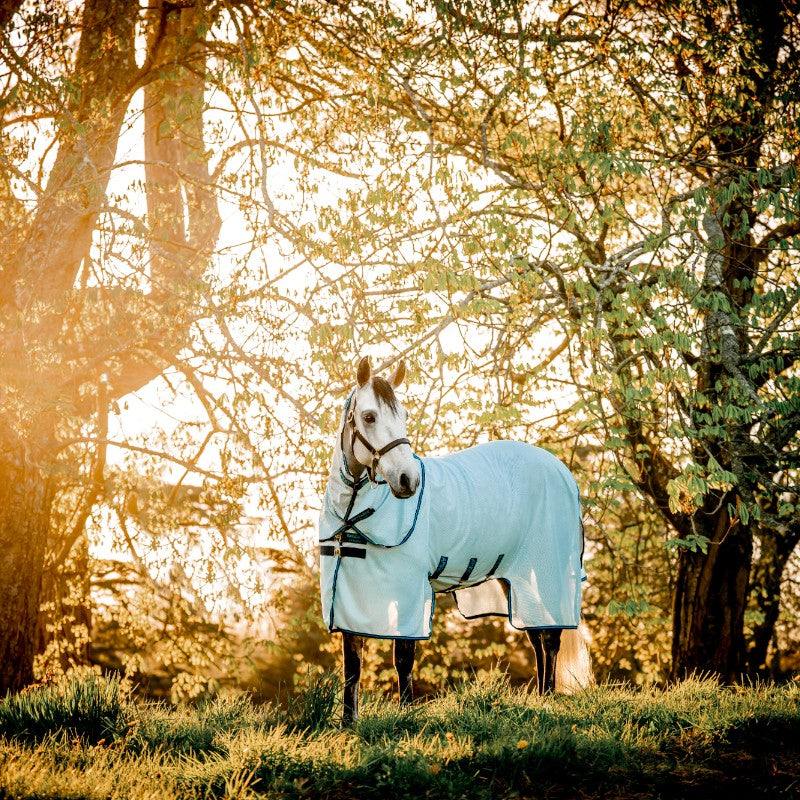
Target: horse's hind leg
(404, 650)
(545, 645)
(551, 641)
(351, 648)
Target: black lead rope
(347, 532)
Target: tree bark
(711, 589)
(182, 211)
(59, 239)
(765, 596)
(709, 604)
(26, 494)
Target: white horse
(498, 524)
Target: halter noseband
(376, 454)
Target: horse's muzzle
(406, 486)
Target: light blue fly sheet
(502, 511)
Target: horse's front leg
(404, 651)
(351, 647)
(546, 644)
(535, 639)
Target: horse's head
(375, 429)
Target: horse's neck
(338, 491)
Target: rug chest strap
(343, 552)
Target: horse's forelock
(384, 392)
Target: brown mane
(384, 392)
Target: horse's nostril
(405, 483)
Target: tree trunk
(710, 601)
(26, 494)
(35, 293)
(181, 207)
(765, 595)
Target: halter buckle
(372, 473)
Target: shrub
(314, 707)
(90, 707)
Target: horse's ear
(362, 376)
(399, 374)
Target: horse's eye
(369, 418)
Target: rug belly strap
(495, 566)
(468, 571)
(439, 569)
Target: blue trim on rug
(344, 424)
(385, 638)
(333, 591)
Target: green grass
(91, 708)
(84, 739)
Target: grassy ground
(83, 739)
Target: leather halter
(376, 454)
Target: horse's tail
(574, 663)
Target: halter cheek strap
(355, 434)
